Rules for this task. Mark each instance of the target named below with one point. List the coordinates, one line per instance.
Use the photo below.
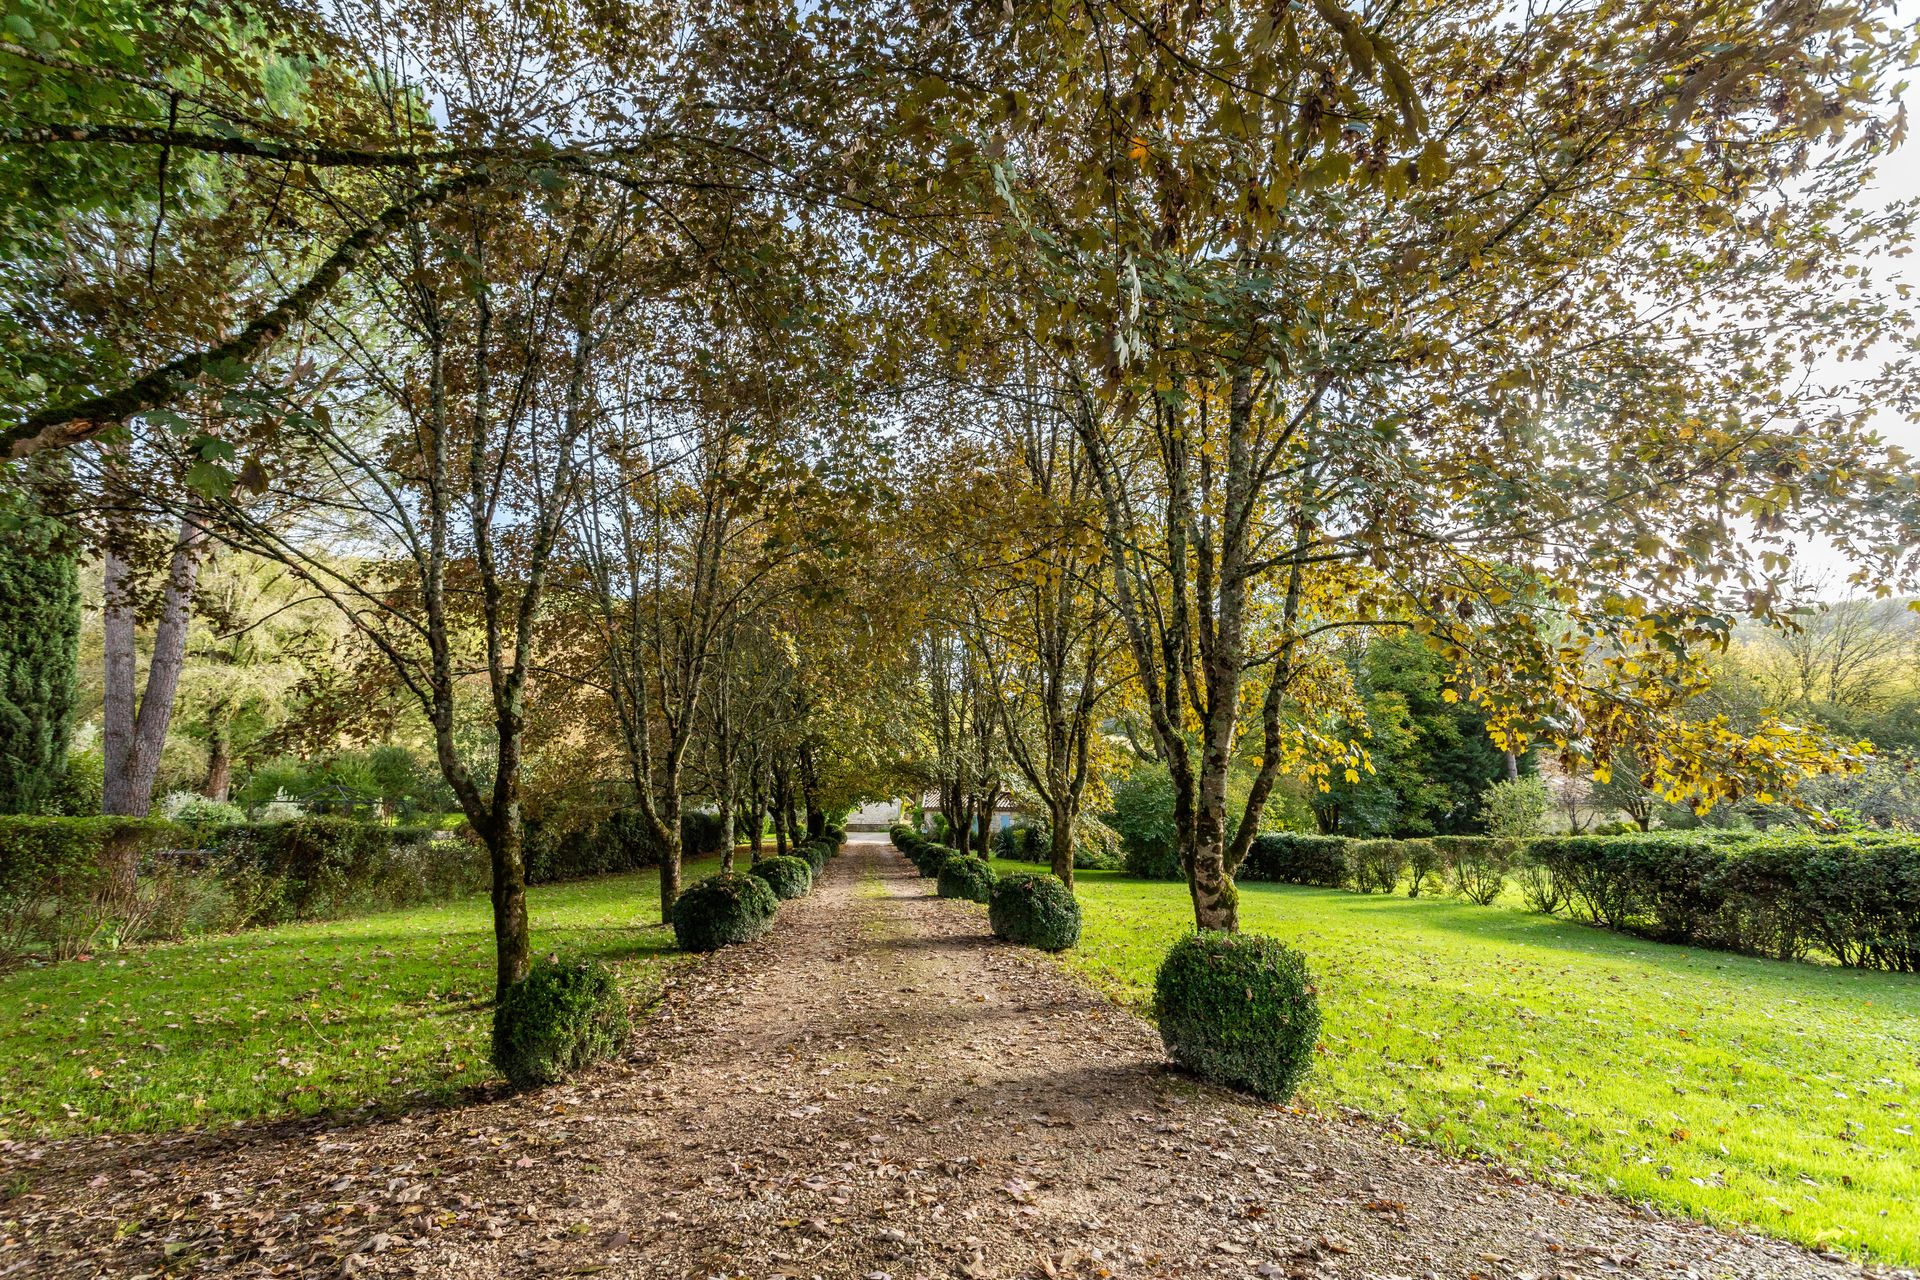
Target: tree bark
(1060, 814)
(219, 782)
(513, 949)
(135, 735)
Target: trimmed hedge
(1375, 866)
(1855, 898)
(722, 910)
(1289, 857)
(194, 879)
(788, 877)
(1238, 1009)
(563, 1015)
(965, 876)
(1477, 867)
(701, 833)
(1035, 911)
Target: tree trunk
(219, 782)
(1061, 838)
(670, 851)
(134, 740)
(513, 949)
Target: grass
(304, 1019)
(1777, 1095)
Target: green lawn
(380, 1010)
(1779, 1095)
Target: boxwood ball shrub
(788, 877)
(563, 1015)
(815, 854)
(721, 910)
(1238, 1009)
(1036, 911)
(965, 876)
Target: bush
(1478, 866)
(965, 876)
(815, 854)
(563, 1015)
(1855, 897)
(191, 806)
(701, 833)
(836, 835)
(1514, 807)
(1376, 865)
(1035, 911)
(1238, 1009)
(621, 841)
(927, 857)
(1426, 865)
(1096, 846)
(194, 879)
(1288, 857)
(722, 910)
(1143, 818)
(788, 877)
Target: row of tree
(669, 385)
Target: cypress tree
(39, 647)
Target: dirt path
(874, 1090)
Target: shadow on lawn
(1512, 929)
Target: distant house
(1003, 814)
(878, 816)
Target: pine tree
(39, 646)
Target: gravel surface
(876, 1090)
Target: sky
(1898, 179)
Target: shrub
(836, 835)
(788, 877)
(927, 857)
(1096, 846)
(1856, 897)
(1288, 857)
(1478, 866)
(1143, 818)
(1540, 887)
(1036, 911)
(701, 833)
(563, 1015)
(1238, 1009)
(1427, 866)
(722, 910)
(620, 841)
(965, 876)
(815, 854)
(191, 806)
(1376, 865)
(1514, 807)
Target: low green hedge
(965, 876)
(1288, 857)
(563, 1015)
(1375, 866)
(788, 877)
(722, 910)
(1855, 898)
(194, 879)
(1035, 911)
(1238, 1009)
